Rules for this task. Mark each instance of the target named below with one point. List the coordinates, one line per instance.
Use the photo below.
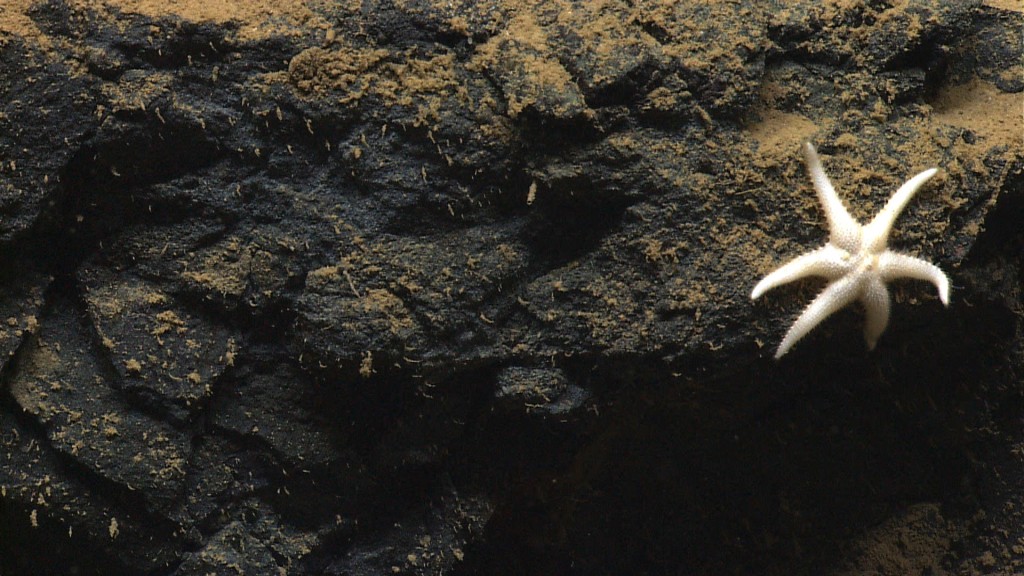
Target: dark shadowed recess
(65, 555)
(764, 468)
(1004, 233)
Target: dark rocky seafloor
(462, 288)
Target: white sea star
(855, 260)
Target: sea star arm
(876, 308)
(876, 233)
(892, 265)
(844, 231)
(835, 296)
(827, 261)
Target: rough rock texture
(457, 287)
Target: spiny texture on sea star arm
(856, 261)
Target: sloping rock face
(453, 287)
